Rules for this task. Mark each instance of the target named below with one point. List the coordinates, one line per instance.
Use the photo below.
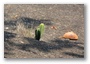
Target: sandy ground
(20, 22)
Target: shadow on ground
(74, 54)
(27, 22)
(7, 45)
(32, 23)
(11, 25)
(39, 45)
(31, 43)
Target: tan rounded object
(70, 35)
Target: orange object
(70, 35)
(53, 27)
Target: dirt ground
(21, 20)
